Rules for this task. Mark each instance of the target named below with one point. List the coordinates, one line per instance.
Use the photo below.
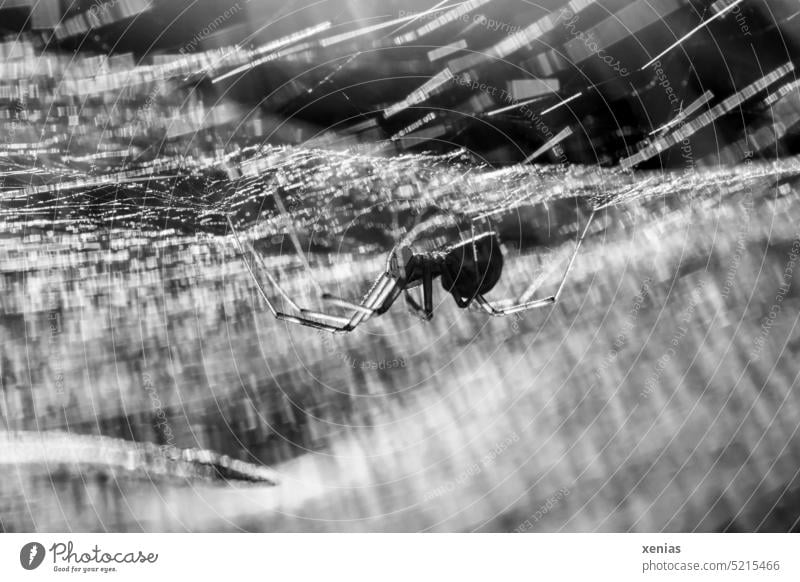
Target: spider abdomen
(472, 268)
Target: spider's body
(468, 269)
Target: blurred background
(147, 388)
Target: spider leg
(424, 311)
(414, 304)
(345, 304)
(522, 305)
(383, 287)
(481, 301)
(381, 306)
(389, 301)
(427, 291)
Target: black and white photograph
(399, 266)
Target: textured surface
(645, 400)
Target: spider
(468, 270)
